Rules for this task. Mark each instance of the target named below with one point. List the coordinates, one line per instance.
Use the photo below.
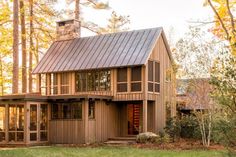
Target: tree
(223, 75)
(15, 78)
(23, 47)
(199, 98)
(224, 26)
(116, 23)
(6, 39)
(195, 53)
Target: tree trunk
(15, 71)
(31, 46)
(23, 43)
(1, 76)
(77, 10)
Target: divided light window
(153, 76)
(64, 83)
(136, 78)
(66, 110)
(122, 80)
(93, 81)
(54, 83)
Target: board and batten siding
(167, 90)
(104, 126)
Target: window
(67, 110)
(54, 83)
(43, 84)
(43, 122)
(91, 113)
(150, 76)
(81, 82)
(93, 81)
(105, 80)
(153, 76)
(136, 78)
(157, 77)
(122, 80)
(64, 83)
(16, 122)
(168, 75)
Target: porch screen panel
(150, 76)
(16, 122)
(54, 83)
(64, 83)
(157, 77)
(122, 80)
(43, 122)
(136, 78)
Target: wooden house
(194, 95)
(93, 88)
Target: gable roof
(98, 52)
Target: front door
(38, 122)
(133, 111)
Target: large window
(93, 81)
(122, 80)
(16, 122)
(153, 76)
(67, 110)
(136, 78)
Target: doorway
(133, 118)
(38, 123)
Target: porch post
(86, 129)
(144, 115)
(7, 122)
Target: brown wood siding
(107, 120)
(66, 131)
(166, 94)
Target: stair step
(130, 138)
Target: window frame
(154, 82)
(133, 81)
(73, 108)
(122, 82)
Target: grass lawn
(105, 152)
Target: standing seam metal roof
(103, 51)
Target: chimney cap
(66, 20)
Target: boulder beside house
(93, 88)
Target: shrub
(173, 128)
(189, 127)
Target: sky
(173, 15)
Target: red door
(133, 118)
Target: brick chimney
(68, 29)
